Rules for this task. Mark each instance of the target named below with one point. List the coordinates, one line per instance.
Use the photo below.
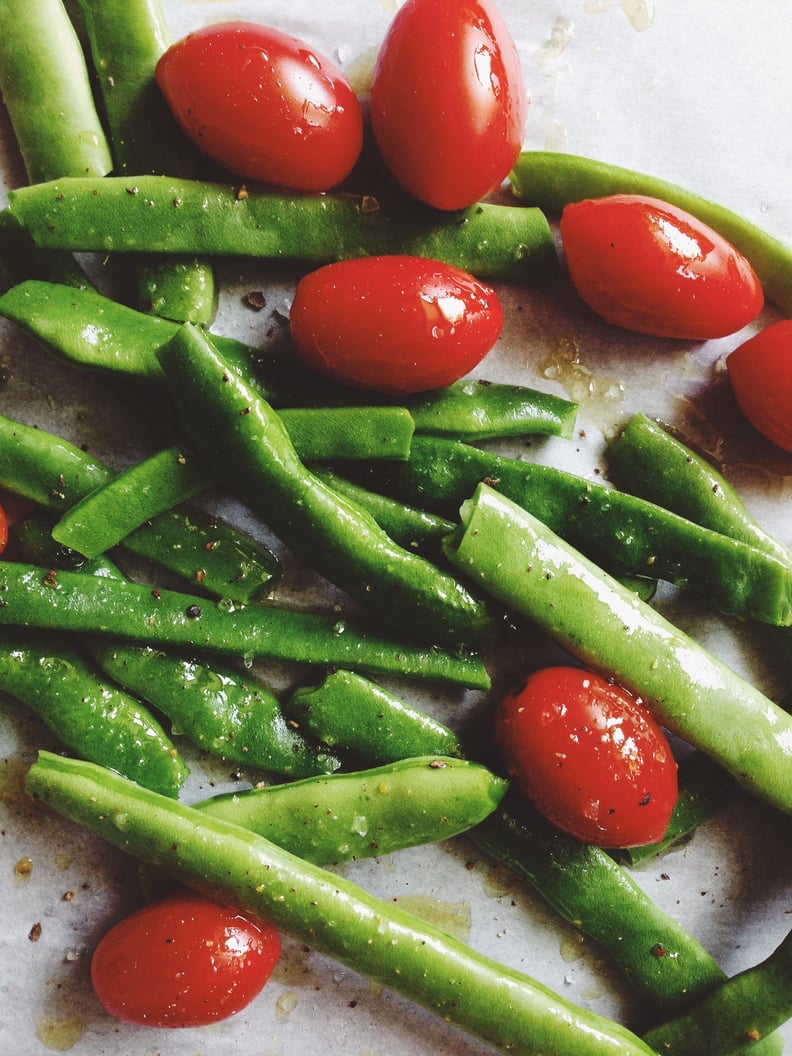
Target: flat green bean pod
(516, 558)
(494, 1002)
(160, 214)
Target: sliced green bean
(349, 712)
(704, 789)
(366, 813)
(624, 533)
(650, 462)
(516, 558)
(127, 37)
(737, 1015)
(242, 438)
(206, 551)
(551, 181)
(46, 88)
(492, 1001)
(478, 410)
(159, 214)
(34, 596)
(89, 715)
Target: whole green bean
(20, 260)
(329, 913)
(650, 462)
(551, 181)
(736, 1015)
(46, 88)
(164, 215)
(365, 813)
(583, 884)
(55, 474)
(34, 596)
(351, 713)
(242, 438)
(622, 532)
(515, 557)
(127, 37)
(89, 715)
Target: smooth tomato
(394, 324)
(183, 962)
(589, 756)
(448, 101)
(760, 371)
(3, 529)
(648, 266)
(264, 104)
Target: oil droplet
(453, 917)
(286, 1004)
(602, 395)
(24, 868)
(640, 12)
(573, 947)
(560, 36)
(60, 1035)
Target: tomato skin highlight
(760, 371)
(648, 266)
(448, 100)
(589, 756)
(264, 104)
(394, 324)
(184, 961)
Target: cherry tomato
(649, 266)
(394, 324)
(589, 755)
(760, 371)
(264, 104)
(3, 529)
(448, 101)
(183, 962)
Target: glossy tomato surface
(183, 962)
(648, 266)
(264, 104)
(395, 324)
(448, 100)
(760, 371)
(589, 756)
(3, 529)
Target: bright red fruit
(648, 266)
(183, 962)
(448, 101)
(760, 371)
(264, 104)
(590, 757)
(394, 324)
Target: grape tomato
(589, 756)
(760, 371)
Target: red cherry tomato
(760, 371)
(183, 962)
(3, 530)
(448, 101)
(589, 756)
(395, 324)
(649, 266)
(264, 104)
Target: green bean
(364, 813)
(654, 464)
(90, 716)
(517, 559)
(478, 410)
(55, 474)
(348, 712)
(624, 533)
(109, 514)
(162, 215)
(704, 790)
(242, 438)
(127, 37)
(20, 260)
(34, 596)
(334, 916)
(736, 1015)
(47, 91)
(551, 181)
